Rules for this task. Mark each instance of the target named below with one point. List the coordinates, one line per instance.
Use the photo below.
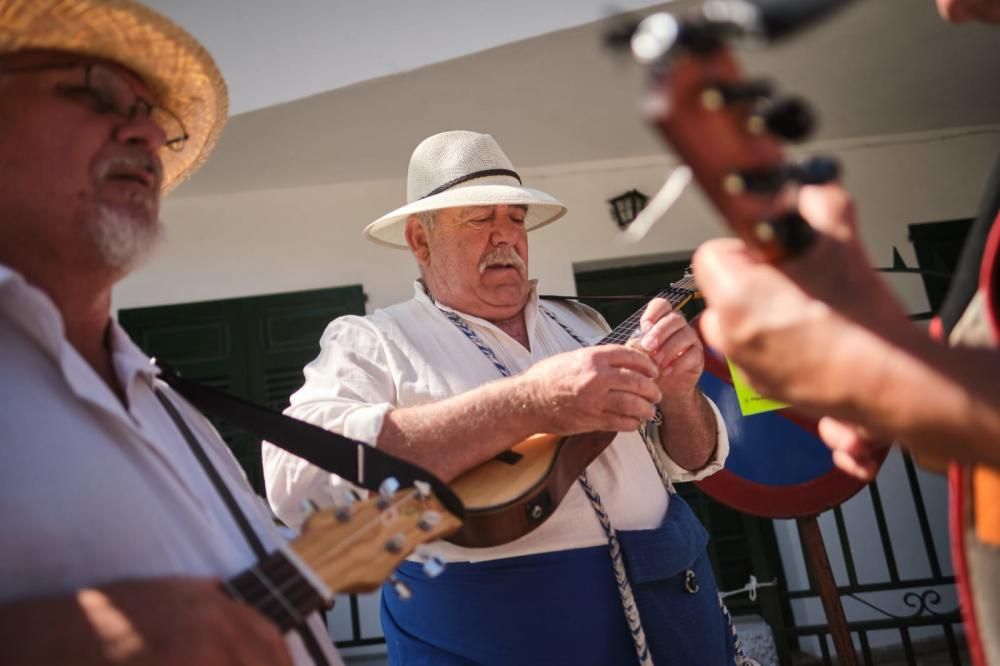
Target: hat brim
(389, 229)
(177, 69)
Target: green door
(252, 347)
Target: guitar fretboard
(677, 294)
(276, 589)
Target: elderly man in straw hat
(115, 536)
(475, 362)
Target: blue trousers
(563, 608)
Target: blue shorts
(563, 608)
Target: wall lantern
(625, 207)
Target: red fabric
(957, 510)
(988, 275)
(958, 474)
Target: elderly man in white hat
(474, 363)
(116, 536)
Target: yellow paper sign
(750, 401)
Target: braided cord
(569, 331)
(617, 561)
(741, 658)
(624, 588)
(483, 347)
(621, 577)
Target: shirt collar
(33, 310)
(128, 359)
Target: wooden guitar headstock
(729, 129)
(356, 548)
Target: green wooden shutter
(253, 347)
(638, 280)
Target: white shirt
(410, 354)
(93, 492)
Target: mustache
(135, 162)
(503, 256)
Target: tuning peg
(423, 489)
(343, 498)
(788, 117)
(817, 170)
(386, 490)
(396, 543)
(307, 506)
(433, 563)
(791, 231)
(654, 37)
(401, 589)
(715, 97)
(760, 181)
(433, 566)
(428, 520)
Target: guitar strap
(304, 631)
(358, 463)
(633, 298)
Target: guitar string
(676, 294)
(624, 331)
(277, 594)
(677, 297)
(301, 591)
(296, 577)
(280, 567)
(253, 591)
(289, 582)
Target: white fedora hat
(460, 168)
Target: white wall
(282, 240)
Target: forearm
(938, 400)
(689, 432)
(453, 435)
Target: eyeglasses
(105, 91)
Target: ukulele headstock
(727, 128)
(355, 547)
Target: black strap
(305, 632)
(634, 298)
(360, 464)
(213, 474)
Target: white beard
(122, 242)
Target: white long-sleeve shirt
(410, 354)
(93, 491)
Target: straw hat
(455, 169)
(177, 69)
